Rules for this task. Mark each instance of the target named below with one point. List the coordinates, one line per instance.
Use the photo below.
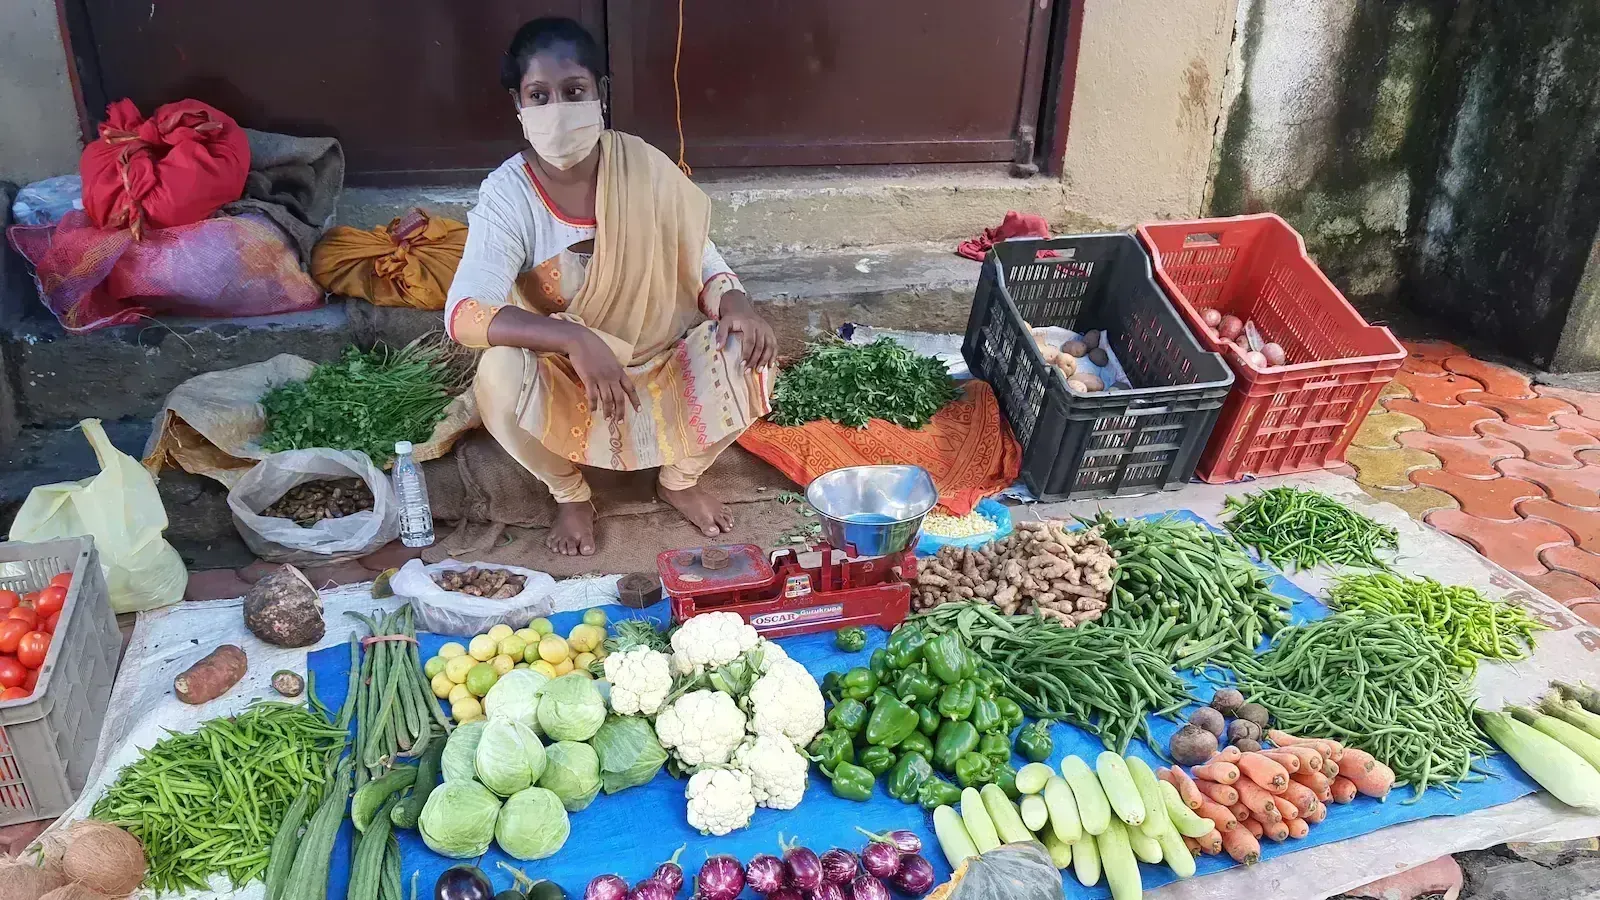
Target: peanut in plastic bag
(1021, 871)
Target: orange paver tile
(1566, 589)
(1578, 487)
(1578, 422)
(1388, 468)
(1417, 502)
(1547, 448)
(1377, 430)
(1586, 403)
(1572, 560)
(1468, 457)
(1440, 390)
(1589, 457)
(1496, 379)
(1393, 389)
(1489, 498)
(1448, 421)
(1588, 611)
(1432, 351)
(1512, 545)
(1535, 412)
(1582, 524)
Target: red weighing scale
(791, 591)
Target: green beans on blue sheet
(1307, 528)
(1471, 625)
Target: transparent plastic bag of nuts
(453, 612)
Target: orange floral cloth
(967, 448)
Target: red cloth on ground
(1014, 225)
(175, 168)
(967, 448)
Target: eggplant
(463, 883)
(803, 867)
(720, 878)
(839, 866)
(670, 873)
(651, 889)
(866, 887)
(546, 890)
(509, 894)
(765, 873)
(880, 859)
(829, 891)
(915, 876)
(606, 887)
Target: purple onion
(765, 873)
(915, 876)
(828, 891)
(804, 868)
(669, 873)
(651, 889)
(606, 887)
(839, 866)
(721, 878)
(865, 887)
(786, 893)
(880, 859)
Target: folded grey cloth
(295, 181)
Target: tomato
(12, 674)
(51, 599)
(26, 614)
(14, 693)
(32, 648)
(9, 600)
(11, 632)
(62, 580)
(32, 681)
(30, 599)
(50, 623)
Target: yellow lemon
(442, 686)
(564, 668)
(600, 652)
(466, 709)
(520, 665)
(513, 646)
(501, 632)
(481, 678)
(433, 666)
(541, 625)
(502, 664)
(553, 648)
(582, 661)
(528, 635)
(483, 648)
(451, 650)
(595, 616)
(543, 668)
(457, 667)
(457, 694)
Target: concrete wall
(38, 114)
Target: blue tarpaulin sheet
(631, 832)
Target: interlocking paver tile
(1490, 498)
(1417, 502)
(1388, 468)
(1578, 487)
(1512, 545)
(1377, 430)
(1547, 448)
(1440, 390)
(1582, 524)
(1471, 457)
(1578, 562)
(1432, 351)
(1588, 611)
(1534, 412)
(1589, 457)
(1578, 422)
(1565, 588)
(1587, 403)
(1393, 389)
(1496, 379)
(1449, 421)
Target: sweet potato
(211, 677)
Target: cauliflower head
(709, 640)
(720, 801)
(640, 680)
(786, 702)
(777, 771)
(701, 728)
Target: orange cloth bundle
(409, 262)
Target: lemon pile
(461, 675)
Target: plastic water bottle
(416, 517)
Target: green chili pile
(1469, 624)
(852, 383)
(1376, 682)
(1293, 525)
(210, 801)
(1104, 679)
(1190, 593)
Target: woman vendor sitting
(608, 316)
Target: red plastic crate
(1290, 418)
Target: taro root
(494, 584)
(284, 609)
(310, 502)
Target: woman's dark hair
(550, 33)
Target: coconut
(73, 891)
(103, 858)
(25, 881)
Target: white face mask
(563, 134)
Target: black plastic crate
(1077, 445)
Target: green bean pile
(1471, 625)
(210, 801)
(1306, 528)
(1100, 678)
(1376, 682)
(1190, 593)
(396, 713)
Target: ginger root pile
(1042, 566)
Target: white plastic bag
(121, 509)
(448, 612)
(330, 540)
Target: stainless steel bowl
(876, 509)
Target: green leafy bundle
(852, 383)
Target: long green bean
(1307, 528)
(1471, 625)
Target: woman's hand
(739, 316)
(604, 379)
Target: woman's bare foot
(704, 511)
(572, 533)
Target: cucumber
(405, 813)
(1064, 821)
(1117, 782)
(372, 795)
(1094, 810)
(953, 838)
(1086, 861)
(1004, 815)
(1118, 861)
(1032, 777)
(1184, 819)
(1060, 854)
(979, 826)
(1035, 814)
(1145, 847)
(1176, 853)
(1144, 779)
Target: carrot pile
(1276, 794)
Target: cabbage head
(629, 752)
(532, 824)
(516, 696)
(509, 757)
(458, 820)
(458, 762)
(573, 773)
(571, 708)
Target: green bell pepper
(953, 739)
(876, 759)
(891, 722)
(850, 781)
(1034, 742)
(858, 683)
(916, 742)
(927, 719)
(936, 792)
(848, 715)
(905, 646)
(916, 686)
(1009, 711)
(986, 716)
(831, 748)
(974, 769)
(908, 775)
(1006, 778)
(995, 746)
(850, 640)
(988, 683)
(878, 662)
(946, 657)
(830, 685)
(955, 701)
